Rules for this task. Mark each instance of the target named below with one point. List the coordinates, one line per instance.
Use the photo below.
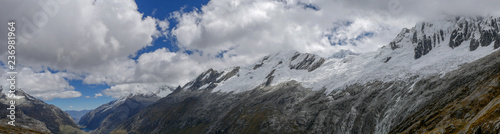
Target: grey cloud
(76, 35)
(84, 38)
(45, 85)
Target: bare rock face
(307, 62)
(497, 41)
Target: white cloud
(120, 70)
(163, 67)
(97, 95)
(91, 39)
(169, 67)
(120, 90)
(80, 36)
(45, 85)
(256, 27)
(163, 24)
(261, 27)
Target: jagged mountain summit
(469, 31)
(35, 116)
(408, 86)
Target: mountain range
(440, 76)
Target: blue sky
(83, 103)
(161, 10)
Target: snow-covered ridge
(453, 32)
(428, 48)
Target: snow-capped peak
(470, 31)
(427, 49)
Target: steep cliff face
(34, 114)
(108, 116)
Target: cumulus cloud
(248, 27)
(88, 38)
(165, 66)
(120, 90)
(45, 85)
(163, 25)
(78, 36)
(97, 95)
(429, 9)
(257, 28)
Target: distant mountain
(77, 114)
(106, 117)
(34, 115)
(439, 77)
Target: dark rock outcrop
(474, 44)
(497, 41)
(456, 39)
(306, 61)
(424, 46)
